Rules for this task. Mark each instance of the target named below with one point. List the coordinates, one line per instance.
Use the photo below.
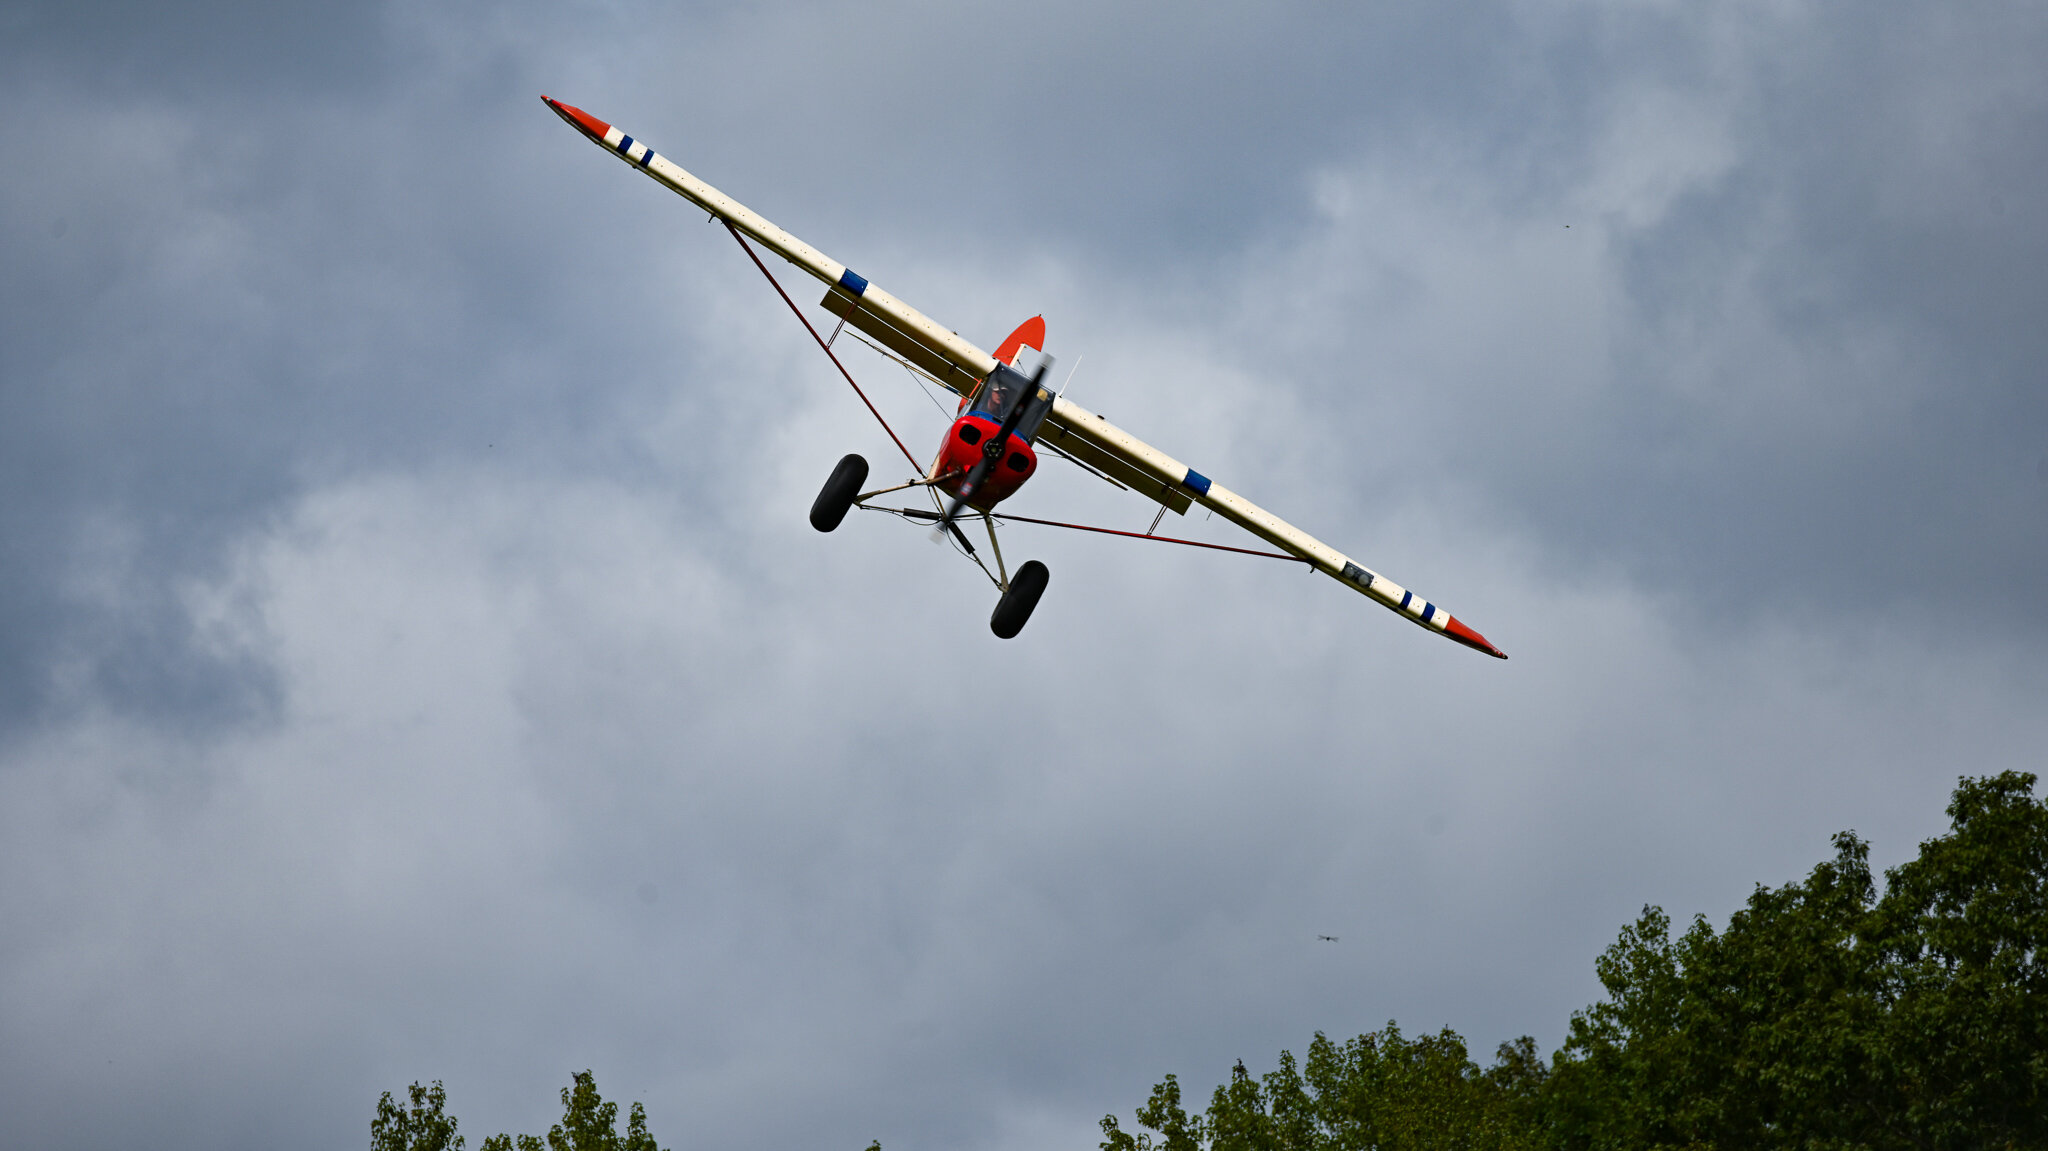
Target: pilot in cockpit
(996, 398)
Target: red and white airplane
(1004, 419)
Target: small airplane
(1001, 422)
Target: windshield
(1000, 392)
(1004, 389)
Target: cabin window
(1041, 407)
(1000, 392)
(1004, 389)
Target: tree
(1822, 1016)
(425, 1127)
(1826, 1017)
(1963, 931)
(1378, 1092)
(1161, 1113)
(589, 1123)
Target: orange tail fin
(1029, 334)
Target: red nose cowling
(962, 450)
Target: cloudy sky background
(415, 663)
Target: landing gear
(839, 493)
(1021, 589)
(1015, 607)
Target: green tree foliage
(589, 1123)
(1823, 1016)
(1378, 1092)
(425, 1126)
(1963, 930)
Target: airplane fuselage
(963, 447)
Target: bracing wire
(910, 369)
(822, 345)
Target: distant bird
(1327, 938)
(1239, 1071)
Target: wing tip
(1471, 639)
(578, 119)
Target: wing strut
(1150, 536)
(822, 345)
(920, 514)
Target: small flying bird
(1327, 938)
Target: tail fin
(1029, 334)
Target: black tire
(837, 495)
(1015, 607)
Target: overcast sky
(415, 662)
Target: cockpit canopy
(1004, 389)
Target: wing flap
(1064, 438)
(932, 361)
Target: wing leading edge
(960, 365)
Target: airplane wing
(1076, 423)
(1070, 428)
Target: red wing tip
(578, 119)
(1471, 639)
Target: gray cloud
(207, 50)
